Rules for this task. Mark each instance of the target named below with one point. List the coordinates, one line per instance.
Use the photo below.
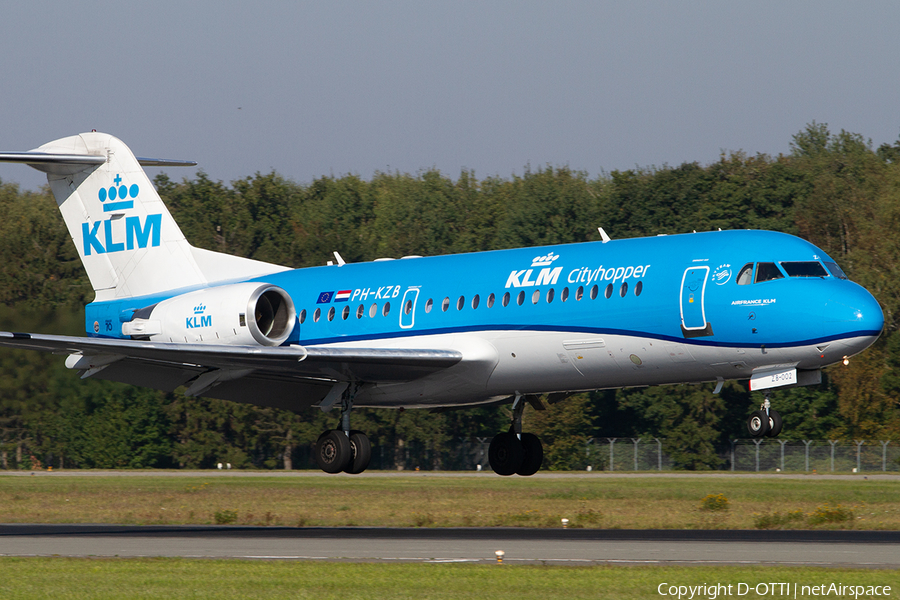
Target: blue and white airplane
(441, 331)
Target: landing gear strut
(514, 451)
(764, 422)
(344, 449)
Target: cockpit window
(804, 269)
(767, 272)
(835, 270)
(745, 277)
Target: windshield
(767, 272)
(835, 270)
(804, 269)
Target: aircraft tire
(758, 423)
(534, 455)
(505, 454)
(775, 423)
(360, 453)
(333, 452)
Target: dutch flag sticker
(342, 296)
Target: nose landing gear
(764, 422)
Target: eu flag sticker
(324, 297)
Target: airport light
(500, 554)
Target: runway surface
(874, 549)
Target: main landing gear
(344, 450)
(514, 451)
(764, 422)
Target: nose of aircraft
(860, 311)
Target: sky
(313, 89)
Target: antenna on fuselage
(603, 235)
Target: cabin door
(693, 291)
(408, 308)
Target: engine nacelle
(241, 314)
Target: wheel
(505, 453)
(333, 451)
(360, 453)
(758, 423)
(534, 455)
(774, 423)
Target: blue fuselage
(692, 307)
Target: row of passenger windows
(476, 301)
(767, 271)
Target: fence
(822, 456)
(654, 454)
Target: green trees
(833, 189)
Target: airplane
(504, 326)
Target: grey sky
(320, 88)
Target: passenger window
(550, 295)
(460, 303)
(490, 301)
(624, 289)
(386, 309)
(638, 287)
(535, 296)
(835, 270)
(345, 313)
(445, 304)
(579, 293)
(407, 308)
(767, 272)
(360, 311)
(594, 291)
(506, 299)
(565, 294)
(428, 305)
(745, 277)
(302, 316)
(608, 292)
(475, 301)
(317, 315)
(520, 299)
(331, 314)
(373, 310)
(804, 269)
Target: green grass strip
(73, 579)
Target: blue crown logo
(118, 192)
(199, 309)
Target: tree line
(834, 189)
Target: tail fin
(127, 239)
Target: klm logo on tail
(137, 235)
(116, 198)
(118, 192)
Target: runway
(872, 549)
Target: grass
(449, 501)
(73, 579)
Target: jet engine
(241, 314)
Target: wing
(280, 376)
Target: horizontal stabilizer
(42, 160)
(39, 160)
(165, 162)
